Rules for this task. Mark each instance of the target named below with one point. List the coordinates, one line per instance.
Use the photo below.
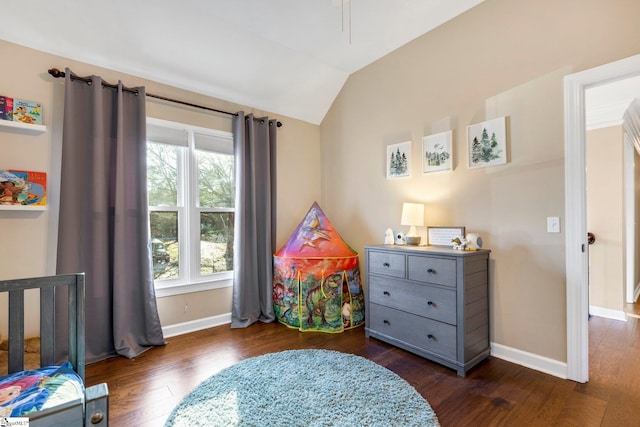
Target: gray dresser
(430, 301)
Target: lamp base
(412, 240)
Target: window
(190, 182)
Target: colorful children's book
(27, 188)
(6, 108)
(27, 112)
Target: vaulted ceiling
(288, 57)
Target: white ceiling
(289, 57)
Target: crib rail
(49, 287)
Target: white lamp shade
(412, 215)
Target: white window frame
(189, 279)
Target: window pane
(190, 176)
(216, 242)
(164, 244)
(215, 180)
(162, 174)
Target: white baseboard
(607, 313)
(530, 360)
(196, 325)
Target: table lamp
(412, 215)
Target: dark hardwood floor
(495, 393)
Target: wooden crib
(88, 410)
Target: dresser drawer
(386, 263)
(441, 271)
(423, 300)
(426, 334)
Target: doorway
(575, 207)
(612, 125)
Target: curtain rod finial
(56, 73)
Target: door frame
(576, 246)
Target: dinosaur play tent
(316, 279)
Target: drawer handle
(386, 264)
(431, 271)
(431, 337)
(430, 303)
(386, 293)
(386, 322)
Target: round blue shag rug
(304, 388)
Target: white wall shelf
(22, 208)
(23, 127)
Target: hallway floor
(632, 309)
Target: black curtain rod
(58, 74)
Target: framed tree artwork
(437, 152)
(399, 160)
(487, 143)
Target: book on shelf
(27, 111)
(6, 108)
(20, 187)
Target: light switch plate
(553, 224)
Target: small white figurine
(474, 241)
(459, 242)
(388, 237)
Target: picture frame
(487, 143)
(437, 152)
(399, 160)
(442, 236)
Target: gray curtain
(254, 141)
(104, 222)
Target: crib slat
(47, 326)
(73, 328)
(16, 331)
(79, 344)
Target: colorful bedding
(29, 391)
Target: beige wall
(27, 241)
(501, 58)
(605, 217)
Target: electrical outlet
(553, 224)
